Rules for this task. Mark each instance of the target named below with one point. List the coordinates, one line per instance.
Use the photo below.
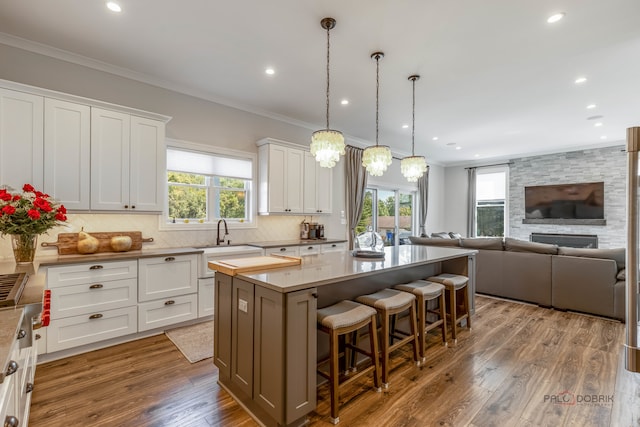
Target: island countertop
(329, 268)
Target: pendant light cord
(413, 119)
(377, 92)
(328, 49)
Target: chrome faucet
(226, 232)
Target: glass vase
(24, 247)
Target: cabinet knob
(12, 367)
(170, 302)
(96, 267)
(28, 388)
(283, 249)
(126, 206)
(11, 421)
(38, 336)
(21, 334)
(133, 206)
(170, 258)
(96, 286)
(310, 247)
(95, 316)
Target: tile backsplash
(270, 228)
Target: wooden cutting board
(68, 242)
(244, 265)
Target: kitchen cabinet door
(67, 148)
(317, 186)
(21, 139)
(110, 140)
(281, 179)
(147, 165)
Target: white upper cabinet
(127, 162)
(317, 186)
(21, 139)
(280, 171)
(67, 149)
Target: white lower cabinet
(206, 295)
(333, 247)
(283, 250)
(156, 314)
(89, 328)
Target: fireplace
(570, 240)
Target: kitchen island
(265, 339)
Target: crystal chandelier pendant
(376, 159)
(327, 145)
(413, 167)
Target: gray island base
(265, 338)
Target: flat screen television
(571, 201)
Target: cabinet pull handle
(95, 316)
(126, 206)
(170, 258)
(310, 247)
(283, 249)
(334, 245)
(315, 295)
(133, 206)
(96, 286)
(96, 267)
(170, 302)
(12, 367)
(11, 421)
(38, 336)
(29, 388)
(22, 334)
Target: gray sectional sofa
(583, 280)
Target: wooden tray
(68, 242)
(244, 265)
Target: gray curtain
(471, 203)
(356, 183)
(423, 195)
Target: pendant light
(413, 167)
(327, 144)
(376, 159)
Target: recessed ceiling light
(270, 71)
(591, 106)
(603, 137)
(451, 144)
(405, 126)
(580, 80)
(476, 155)
(458, 148)
(113, 6)
(435, 138)
(344, 102)
(599, 116)
(555, 17)
(598, 124)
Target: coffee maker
(304, 230)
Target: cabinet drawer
(284, 250)
(85, 329)
(309, 250)
(333, 247)
(93, 297)
(156, 314)
(94, 272)
(165, 277)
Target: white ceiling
(496, 79)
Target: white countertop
(328, 268)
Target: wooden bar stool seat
(344, 318)
(453, 283)
(388, 303)
(424, 292)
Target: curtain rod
(489, 166)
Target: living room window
(491, 201)
(205, 185)
(390, 213)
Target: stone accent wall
(606, 164)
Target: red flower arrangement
(31, 212)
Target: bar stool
(426, 291)
(388, 303)
(452, 284)
(343, 318)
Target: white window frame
(489, 170)
(251, 222)
(397, 190)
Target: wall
(194, 120)
(606, 164)
(602, 164)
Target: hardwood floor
(520, 366)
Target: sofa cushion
(517, 245)
(434, 241)
(494, 243)
(622, 274)
(617, 254)
(455, 235)
(440, 235)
